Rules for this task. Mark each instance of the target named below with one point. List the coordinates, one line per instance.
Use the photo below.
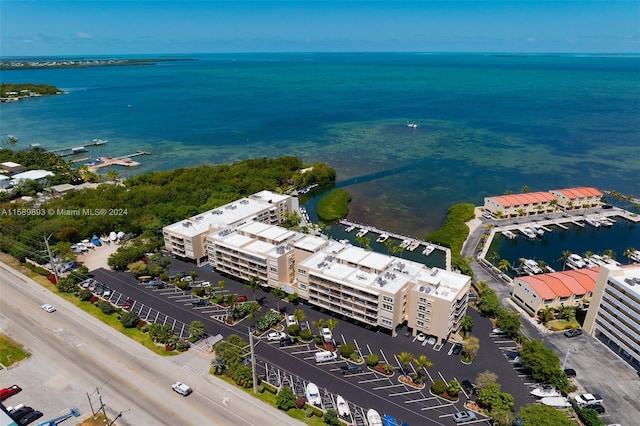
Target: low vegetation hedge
(334, 206)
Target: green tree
(471, 347)
(319, 324)
(466, 324)
(491, 398)
(253, 284)
(405, 359)
(546, 315)
(438, 386)
(543, 415)
(331, 418)
(590, 417)
(563, 257)
(107, 308)
(299, 315)
(278, 294)
(137, 268)
(372, 360)
(544, 364)
(160, 333)
(129, 320)
(485, 378)
(67, 285)
(453, 388)
(422, 362)
(332, 323)
(489, 303)
(285, 399)
(347, 349)
(196, 329)
(509, 322)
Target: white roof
(232, 214)
(32, 175)
(627, 278)
(10, 164)
(3, 177)
(267, 231)
(439, 283)
(310, 243)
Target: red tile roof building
(533, 203)
(567, 288)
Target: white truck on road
(181, 388)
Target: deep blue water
(486, 123)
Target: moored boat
(592, 221)
(575, 261)
(428, 250)
(545, 392)
(508, 234)
(413, 245)
(528, 232)
(349, 228)
(556, 401)
(531, 267)
(362, 232)
(412, 125)
(382, 238)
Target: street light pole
(566, 356)
(254, 370)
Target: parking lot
(175, 307)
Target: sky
(111, 27)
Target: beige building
(614, 312)
(187, 238)
(536, 203)
(384, 291)
(567, 288)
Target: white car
(276, 336)
(589, 399)
(421, 337)
(181, 388)
(291, 320)
(326, 334)
(48, 308)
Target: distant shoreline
(35, 63)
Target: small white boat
(345, 242)
(313, 395)
(635, 255)
(343, 407)
(349, 228)
(428, 250)
(508, 234)
(414, 245)
(531, 267)
(528, 232)
(575, 261)
(120, 235)
(537, 229)
(545, 392)
(362, 232)
(113, 236)
(556, 401)
(412, 125)
(592, 221)
(405, 243)
(382, 238)
(374, 418)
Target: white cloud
(531, 40)
(83, 35)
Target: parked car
(9, 392)
(573, 332)
(30, 417)
(201, 302)
(421, 337)
(457, 348)
(287, 341)
(464, 416)
(589, 399)
(156, 283)
(127, 303)
(181, 388)
(350, 369)
(145, 278)
(241, 299)
(468, 387)
(498, 331)
(598, 407)
(276, 336)
(291, 320)
(570, 372)
(106, 292)
(48, 308)
(20, 413)
(431, 340)
(326, 334)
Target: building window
(386, 322)
(422, 300)
(421, 308)
(421, 316)
(387, 299)
(302, 272)
(387, 307)
(272, 269)
(420, 323)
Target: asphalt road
(74, 353)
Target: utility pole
(93, 413)
(104, 413)
(51, 259)
(254, 370)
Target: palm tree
(524, 189)
(318, 324)
(610, 254)
(254, 308)
(546, 315)
(587, 254)
(422, 363)
(332, 323)
(193, 275)
(504, 265)
(278, 294)
(388, 243)
(491, 257)
(628, 253)
(554, 203)
(299, 315)
(405, 359)
(466, 324)
(563, 257)
(221, 285)
(253, 285)
(113, 175)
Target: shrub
(388, 368)
(107, 308)
(300, 402)
(86, 295)
(354, 357)
(438, 386)
(372, 360)
(331, 418)
(260, 389)
(141, 324)
(269, 387)
(294, 330)
(293, 298)
(285, 399)
(130, 320)
(144, 329)
(318, 340)
(308, 412)
(347, 349)
(306, 335)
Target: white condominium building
(186, 238)
(614, 312)
(384, 291)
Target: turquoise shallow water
(486, 123)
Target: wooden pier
(124, 160)
(420, 244)
(76, 149)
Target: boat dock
(124, 160)
(76, 149)
(414, 243)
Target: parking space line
(405, 393)
(438, 406)
(373, 380)
(388, 387)
(303, 352)
(411, 401)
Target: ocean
(487, 123)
